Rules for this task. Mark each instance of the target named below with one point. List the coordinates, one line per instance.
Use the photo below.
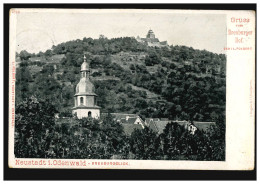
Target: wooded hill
(175, 82)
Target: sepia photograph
(134, 86)
(118, 88)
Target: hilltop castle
(85, 97)
(151, 40)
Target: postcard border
(113, 174)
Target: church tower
(85, 98)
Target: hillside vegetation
(175, 82)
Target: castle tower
(150, 34)
(85, 97)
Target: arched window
(81, 100)
(89, 114)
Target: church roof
(84, 66)
(85, 87)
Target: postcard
(132, 89)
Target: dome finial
(85, 65)
(84, 58)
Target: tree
(34, 126)
(152, 58)
(23, 77)
(171, 141)
(48, 69)
(24, 55)
(114, 132)
(48, 53)
(144, 144)
(216, 136)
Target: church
(85, 99)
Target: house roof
(156, 119)
(161, 125)
(203, 125)
(122, 115)
(153, 126)
(158, 125)
(129, 128)
(131, 120)
(164, 119)
(123, 120)
(182, 123)
(148, 119)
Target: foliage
(190, 82)
(187, 84)
(34, 123)
(24, 55)
(216, 135)
(143, 144)
(179, 143)
(152, 58)
(39, 135)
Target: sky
(38, 31)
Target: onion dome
(85, 87)
(84, 66)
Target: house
(148, 120)
(126, 118)
(36, 59)
(191, 128)
(119, 116)
(158, 125)
(203, 126)
(130, 122)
